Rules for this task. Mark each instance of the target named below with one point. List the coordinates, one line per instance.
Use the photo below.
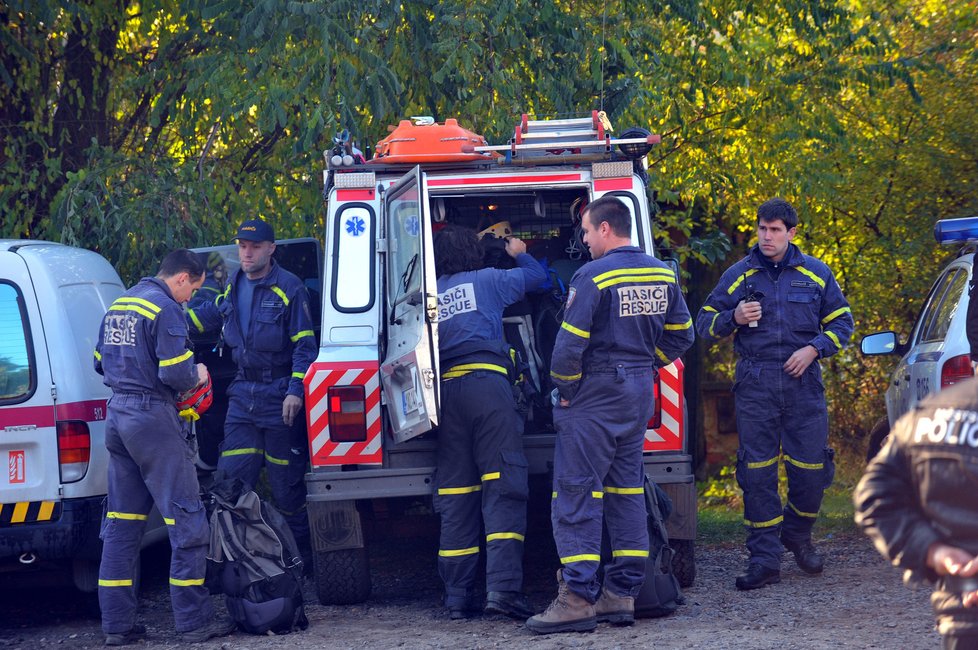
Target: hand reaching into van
(515, 246)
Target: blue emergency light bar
(952, 231)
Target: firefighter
(918, 504)
(142, 353)
(480, 462)
(625, 317)
(786, 312)
(266, 321)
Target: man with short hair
(143, 355)
(786, 311)
(267, 323)
(625, 317)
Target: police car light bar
(953, 231)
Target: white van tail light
(74, 450)
(956, 369)
(347, 413)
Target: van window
(83, 302)
(353, 277)
(942, 311)
(405, 245)
(17, 377)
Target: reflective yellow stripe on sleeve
(812, 275)
(575, 330)
(736, 283)
(460, 490)
(301, 334)
(197, 323)
(835, 339)
(680, 326)
(838, 312)
(98, 356)
(281, 294)
(175, 360)
(299, 375)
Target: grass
(721, 507)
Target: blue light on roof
(950, 231)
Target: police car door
(409, 371)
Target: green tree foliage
(132, 127)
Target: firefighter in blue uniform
(786, 311)
(267, 323)
(625, 317)
(480, 461)
(142, 352)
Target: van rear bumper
(73, 535)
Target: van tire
(684, 561)
(877, 437)
(342, 577)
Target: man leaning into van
(142, 354)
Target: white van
(52, 410)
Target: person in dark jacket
(264, 316)
(481, 468)
(142, 352)
(625, 317)
(786, 312)
(918, 502)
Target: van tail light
(347, 413)
(956, 369)
(74, 450)
(656, 420)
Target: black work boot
(757, 576)
(469, 607)
(135, 633)
(513, 604)
(808, 559)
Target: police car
(936, 355)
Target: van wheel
(878, 436)
(684, 561)
(342, 577)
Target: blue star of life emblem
(355, 226)
(412, 226)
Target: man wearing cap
(267, 323)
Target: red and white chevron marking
(320, 377)
(672, 430)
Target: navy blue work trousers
(599, 473)
(781, 418)
(151, 461)
(481, 470)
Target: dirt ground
(859, 602)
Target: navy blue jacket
(142, 343)
(280, 336)
(802, 306)
(624, 308)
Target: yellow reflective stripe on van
(28, 511)
(763, 463)
(629, 553)
(129, 516)
(468, 489)
(190, 582)
(472, 550)
(20, 512)
(45, 510)
(643, 271)
(835, 339)
(494, 536)
(565, 377)
(838, 312)
(491, 476)
(680, 326)
(764, 524)
(301, 334)
(746, 274)
(798, 463)
(175, 360)
(810, 515)
(115, 583)
(197, 323)
(812, 275)
(280, 294)
(575, 330)
(624, 490)
(584, 557)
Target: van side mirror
(880, 343)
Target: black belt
(265, 374)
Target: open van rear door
(409, 373)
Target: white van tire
(342, 577)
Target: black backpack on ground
(660, 594)
(254, 561)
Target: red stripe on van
(92, 410)
(502, 180)
(355, 195)
(609, 184)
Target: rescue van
(372, 395)
(52, 410)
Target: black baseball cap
(255, 230)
